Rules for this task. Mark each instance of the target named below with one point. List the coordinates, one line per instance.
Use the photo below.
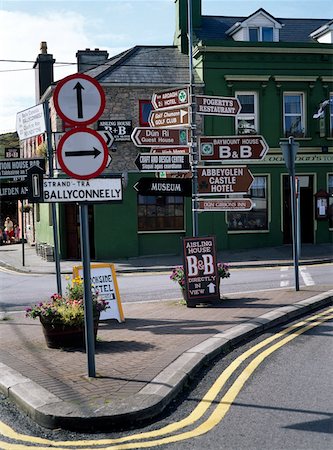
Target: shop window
(145, 107)
(293, 114)
(247, 119)
(330, 200)
(160, 213)
(257, 218)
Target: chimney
(43, 71)
(87, 59)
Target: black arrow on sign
(93, 153)
(79, 88)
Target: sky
(112, 25)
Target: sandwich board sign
(104, 281)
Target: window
(331, 114)
(330, 200)
(293, 114)
(257, 218)
(145, 107)
(160, 213)
(267, 34)
(247, 119)
(260, 34)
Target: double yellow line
(164, 435)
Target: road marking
(216, 416)
(307, 278)
(284, 283)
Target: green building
(279, 69)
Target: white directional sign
(79, 99)
(64, 190)
(82, 153)
(170, 117)
(30, 122)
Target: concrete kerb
(51, 412)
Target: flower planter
(66, 337)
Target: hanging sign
(104, 281)
(224, 180)
(235, 148)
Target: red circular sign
(82, 153)
(79, 99)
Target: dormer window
(260, 34)
(259, 27)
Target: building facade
(281, 72)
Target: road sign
(12, 153)
(200, 268)
(30, 122)
(82, 153)
(170, 117)
(64, 190)
(13, 191)
(217, 106)
(35, 184)
(227, 204)
(79, 99)
(171, 98)
(103, 278)
(235, 148)
(149, 162)
(107, 136)
(121, 129)
(160, 137)
(224, 180)
(17, 168)
(164, 186)
(176, 150)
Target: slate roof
(156, 65)
(293, 30)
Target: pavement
(144, 362)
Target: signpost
(120, 129)
(235, 148)
(217, 106)
(200, 270)
(79, 99)
(160, 137)
(163, 186)
(176, 150)
(64, 190)
(13, 191)
(150, 162)
(104, 280)
(30, 122)
(171, 98)
(228, 204)
(18, 168)
(224, 180)
(82, 153)
(170, 117)
(12, 153)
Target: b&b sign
(200, 267)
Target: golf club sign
(200, 270)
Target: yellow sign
(104, 280)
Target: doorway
(72, 227)
(306, 209)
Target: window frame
(330, 200)
(157, 207)
(302, 113)
(247, 213)
(260, 33)
(248, 116)
(142, 122)
(330, 109)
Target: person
(1, 236)
(9, 229)
(17, 233)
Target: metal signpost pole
(293, 209)
(22, 233)
(88, 307)
(194, 147)
(53, 206)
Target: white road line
(307, 278)
(284, 283)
